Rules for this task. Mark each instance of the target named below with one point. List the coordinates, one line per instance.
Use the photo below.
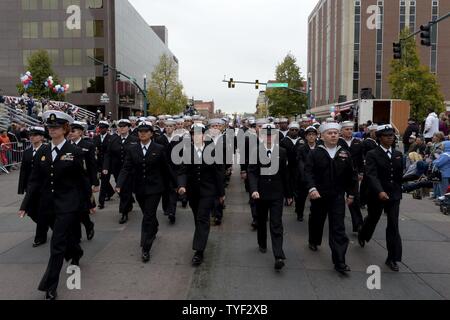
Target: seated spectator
(418, 146)
(443, 164)
(413, 172)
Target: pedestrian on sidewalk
(384, 171)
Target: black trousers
(149, 206)
(375, 208)
(86, 219)
(334, 208)
(169, 202)
(218, 209)
(252, 203)
(64, 245)
(275, 208)
(106, 190)
(201, 208)
(43, 222)
(126, 196)
(355, 212)
(300, 201)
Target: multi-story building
(350, 46)
(205, 108)
(71, 31)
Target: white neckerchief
(331, 151)
(271, 150)
(59, 146)
(146, 146)
(313, 147)
(294, 141)
(349, 142)
(285, 133)
(169, 138)
(199, 151)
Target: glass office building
(71, 31)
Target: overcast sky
(243, 39)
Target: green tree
(165, 90)
(409, 80)
(40, 66)
(283, 102)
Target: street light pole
(309, 90)
(145, 96)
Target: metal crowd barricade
(11, 155)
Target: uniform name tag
(67, 157)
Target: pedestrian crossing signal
(231, 84)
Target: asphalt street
(233, 268)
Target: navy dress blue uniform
(302, 155)
(26, 168)
(114, 161)
(250, 141)
(332, 178)
(369, 144)
(106, 190)
(272, 184)
(59, 184)
(152, 176)
(384, 173)
(204, 183)
(356, 151)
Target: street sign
(277, 85)
(104, 98)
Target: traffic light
(425, 35)
(257, 84)
(231, 84)
(118, 76)
(397, 50)
(105, 70)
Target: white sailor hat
(372, 127)
(294, 125)
(180, 120)
(305, 119)
(124, 123)
(170, 122)
(276, 120)
(79, 125)
(330, 126)
(132, 118)
(37, 131)
(151, 118)
(251, 121)
(196, 127)
(316, 125)
(269, 126)
(195, 117)
(347, 124)
(103, 124)
(213, 122)
(142, 119)
(283, 120)
(161, 117)
(53, 118)
(261, 122)
(187, 118)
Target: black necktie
(123, 141)
(55, 149)
(144, 150)
(269, 154)
(388, 153)
(34, 152)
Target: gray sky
(242, 39)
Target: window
(49, 4)
(95, 85)
(94, 28)
(357, 41)
(379, 51)
(67, 3)
(29, 4)
(94, 4)
(412, 15)
(54, 56)
(30, 30)
(76, 85)
(72, 57)
(97, 53)
(402, 15)
(50, 29)
(434, 36)
(26, 55)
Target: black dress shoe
(393, 266)
(279, 264)
(313, 247)
(108, 198)
(342, 268)
(101, 206)
(197, 259)
(51, 295)
(124, 219)
(361, 241)
(300, 218)
(90, 233)
(262, 250)
(218, 222)
(145, 256)
(172, 219)
(38, 243)
(184, 204)
(254, 225)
